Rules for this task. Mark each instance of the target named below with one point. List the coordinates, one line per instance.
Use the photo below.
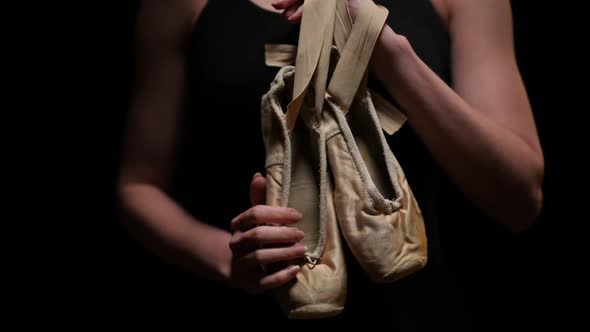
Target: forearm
(489, 162)
(165, 228)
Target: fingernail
(256, 175)
(288, 13)
(296, 214)
(275, 4)
(299, 249)
(294, 269)
(300, 234)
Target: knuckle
(288, 254)
(293, 233)
(258, 256)
(257, 212)
(257, 233)
(282, 278)
(254, 257)
(249, 214)
(234, 223)
(288, 235)
(234, 242)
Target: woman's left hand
(293, 9)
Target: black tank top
(221, 148)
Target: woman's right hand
(255, 244)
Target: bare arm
(158, 221)
(482, 131)
(161, 224)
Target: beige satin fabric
(370, 202)
(390, 117)
(293, 162)
(313, 52)
(297, 171)
(377, 212)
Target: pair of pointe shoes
(335, 167)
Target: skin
(480, 130)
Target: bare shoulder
(167, 22)
(473, 11)
(480, 12)
(162, 31)
(442, 8)
(484, 66)
(454, 6)
(484, 25)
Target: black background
(98, 275)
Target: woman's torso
(222, 148)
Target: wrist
(223, 263)
(211, 255)
(223, 269)
(390, 50)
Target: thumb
(258, 190)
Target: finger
(273, 255)
(296, 16)
(258, 237)
(235, 244)
(279, 278)
(289, 12)
(265, 235)
(264, 214)
(284, 4)
(258, 190)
